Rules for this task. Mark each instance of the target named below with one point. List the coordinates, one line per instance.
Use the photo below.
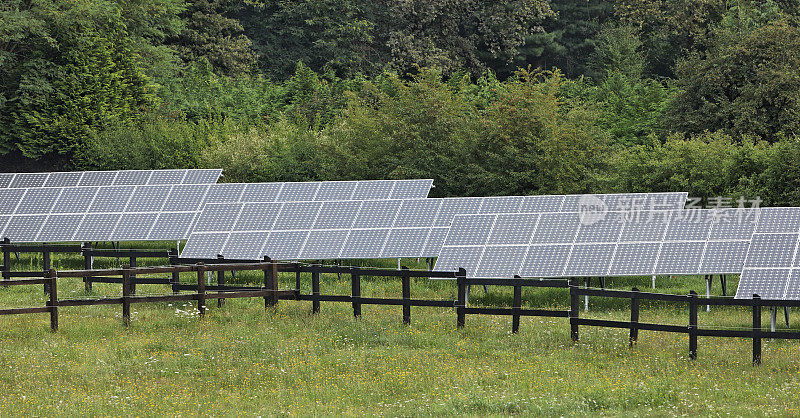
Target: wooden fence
(269, 290)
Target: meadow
(243, 360)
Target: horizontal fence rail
(201, 291)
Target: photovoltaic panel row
(625, 243)
(358, 229)
(146, 212)
(324, 190)
(772, 267)
(109, 178)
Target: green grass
(243, 360)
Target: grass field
(243, 360)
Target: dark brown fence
(269, 291)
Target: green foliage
(782, 176)
(618, 51)
(69, 70)
(747, 84)
(153, 143)
(705, 165)
(630, 109)
(395, 129)
(533, 139)
(211, 35)
(281, 152)
(569, 37)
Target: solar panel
(767, 283)
(171, 226)
(9, 199)
(296, 192)
(541, 261)
(148, 199)
(25, 180)
(38, 201)
(203, 244)
(362, 243)
(324, 244)
(167, 177)
(5, 179)
(183, 197)
(134, 177)
(589, 259)
(502, 261)
(97, 227)
(772, 250)
(543, 203)
(202, 176)
(587, 244)
(108, 178)
(59, 227)
(225, 192)
(374, 189)
(284, 245)
(111, 199)
(413, 227)
(133, 226)
(218, 218)
(778, 220)
(402, 243)
(63, 179)
(411, 189)
(24, 228)
(261, 192)
(244, 245)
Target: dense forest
(486, 97)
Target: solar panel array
(772, 266)
(153, 212)
(621, 243)
(367, 229)
(109, 178)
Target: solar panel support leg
(786, 315)
(723, 281)
(773, 314)
(586, 282)
(653, 281)
(708, 290)
(466, 295)
(398, 264)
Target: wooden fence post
(516, 304)
(46, 264)
(634, 317)
(133, 264)
(297, 282)
(693, 325)
(53, 302)
(461, 303)
(86, 249)
(126, 295)
(176, 276)
(756, 330)
(271, 283)
(406, 278)
(6, 258)
(355, 277)
(220, 282)
(201, 289)
(574, 304)
(315, 288)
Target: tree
(568, 37)
(69, 69)
(747, 84)
(212, 35)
